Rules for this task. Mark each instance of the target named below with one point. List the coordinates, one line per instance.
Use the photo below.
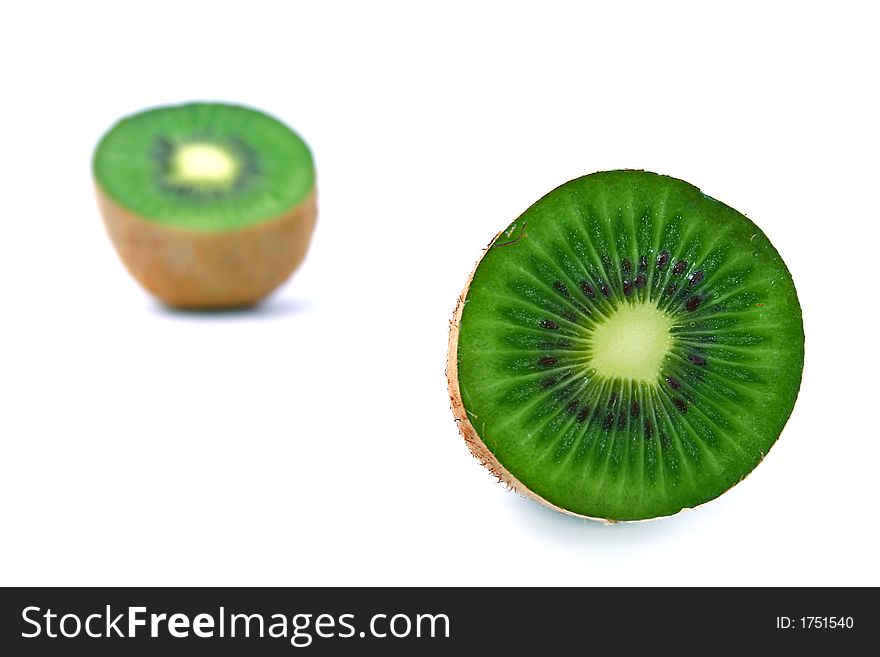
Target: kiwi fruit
(210, 205)
(627, 348)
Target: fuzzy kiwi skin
(195, 269)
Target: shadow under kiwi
(562, 528)
(273, 308)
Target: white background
(310, 441)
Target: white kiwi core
(204, 164)
(631, 343)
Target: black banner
(406, 621)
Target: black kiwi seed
(588, 289)
(663, 260)
(627, 288)
(641, 281)
(670, 289)
(697, 360)
(561, 288)
(696, 277)
(546, 361)
(673, 383)
(572, 406)
(549, 324)
(649, 428)
(679, 268)
(680, 404)
(585, 412)
(635, 408)
(605, 290)
(693, 303)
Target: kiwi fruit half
(627, 348)
(210, 205)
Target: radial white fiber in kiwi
(627, 348)
(210, 205)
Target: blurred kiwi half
(209, 205)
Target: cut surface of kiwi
(209, 204)
(627, 348)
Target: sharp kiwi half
(209, 205)
(627, 348)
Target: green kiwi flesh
(627, 348)
(204, 166)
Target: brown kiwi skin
(206, 270)
(474, 443)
